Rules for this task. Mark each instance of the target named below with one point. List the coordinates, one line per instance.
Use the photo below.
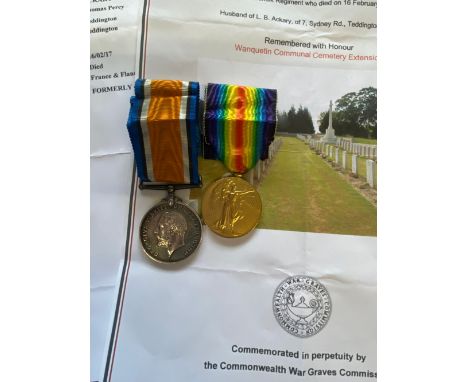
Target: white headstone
(354, 167)
(370, 172)
(250, 176)
(343, 159)
(258, 171)
(337, 155)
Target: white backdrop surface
(169, 321)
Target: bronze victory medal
(170, 232)
(231, 207)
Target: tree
(296, 121)
(355, 114)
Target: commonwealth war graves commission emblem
(302, 306)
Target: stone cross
(329, 136)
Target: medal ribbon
(164, 131)
(240, 123)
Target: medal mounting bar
(170, 188)
(159, 186)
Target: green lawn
(366, 141)
(301, 192)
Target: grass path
(366, 141)
(303, 193)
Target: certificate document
(296, 298)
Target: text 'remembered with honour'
(240, 124)
(164, 130)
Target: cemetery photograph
(321, 173)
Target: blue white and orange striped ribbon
(164, 131)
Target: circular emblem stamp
(302, 306)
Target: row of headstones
(342, 139)
(361, 149)
(333, 152)
(257, 173)
(304, 138)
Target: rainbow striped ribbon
(240, 123)
(164, 131)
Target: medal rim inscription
(277, 316)
(159, 205)
(205, 203)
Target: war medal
(164, 131)
(240, 123)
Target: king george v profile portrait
(170, 231)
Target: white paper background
(182, 32)
(176, 317)
(110, 166)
